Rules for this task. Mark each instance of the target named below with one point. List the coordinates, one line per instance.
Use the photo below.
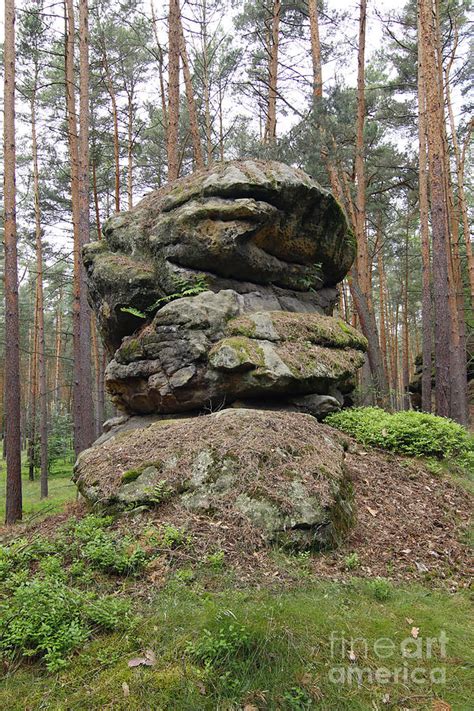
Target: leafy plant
(214, 648)
(380, 588)
(46, 618)
(133, 311)
(352, 561)
(414, 433)
(173, 537)
(216, 560)
(183, 287)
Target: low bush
(417, 434)
(46, 618)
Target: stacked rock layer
(220, 287)
(217, 292)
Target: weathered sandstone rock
(281, 473)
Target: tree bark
(12, 323)
(43, 389)
(270, 131)
(426, 303)
(439, 218)
(173, 90)
(315, 48)
(192, 112)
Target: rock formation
(257, 248)
(218, 291)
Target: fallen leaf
(201, 688)
(415, 632)
(422, 568)
(439, 705)
(149, 660)
(125, 688)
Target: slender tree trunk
(405, 330)
(192, 112)
(439, 218)
(113, 101)
(130, 151)
(362, 261)
(382, 288)
(315, 48)
(43, 389)
(426, 305)
(83, 403)
(270, 130)
(57, 353)
(164, 108)
(173, 90)
(12, 322)
(96, 202)
(33, 393)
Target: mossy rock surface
(207, 349)
(254, 226)
(280, 474)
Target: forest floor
(216, 626)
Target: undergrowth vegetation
(47, 608)
(82, 604)
(417, 434)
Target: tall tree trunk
(81, 310)
(362, 262)
(405, 329)
(57, 352)
(426, 305)
(270, 131)
(164, 109)
(130, 151)
(173, 90)
(382, 288)
(315, 48)
(13, 510)
(33, 382)
(439, 218)
(96, 201)
(43, 389)
(192, 112)
(113, 101)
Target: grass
(265, 650)
(61, 490)
(307, 644)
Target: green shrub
(109, 555)
(213, 649)
(380, 589)
(46, 618)
(417, 434)
(352, 561)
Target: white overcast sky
(373, 30)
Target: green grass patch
(299, 649)
(61, 490)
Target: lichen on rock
(215, 291)
(278, 472)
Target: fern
(134, 312)
(183, 288)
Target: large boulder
(208, 350)
(259, 228)
(279, 473)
